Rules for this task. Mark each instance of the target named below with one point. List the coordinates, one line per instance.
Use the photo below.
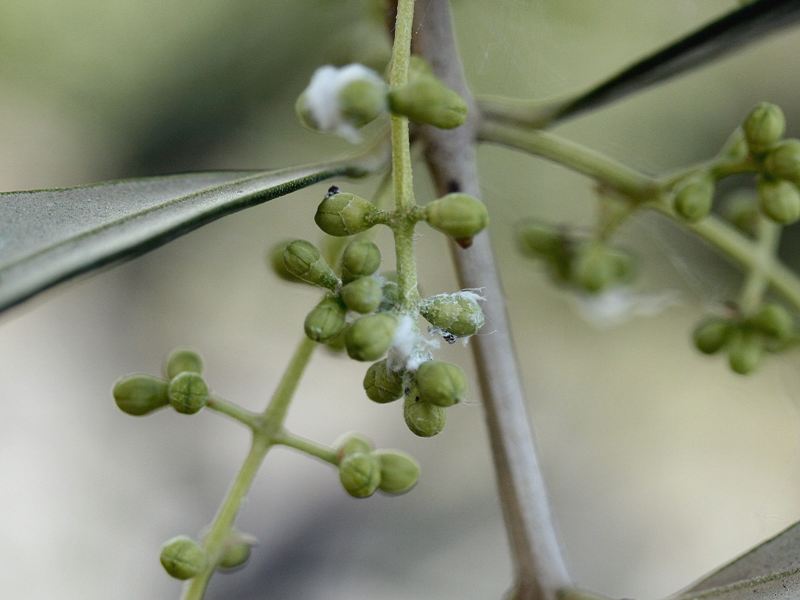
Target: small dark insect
(449, 337)
(332, 191)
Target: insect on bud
(425, 99)
(183, 558)
(764, 126)
(360, 474)
(326, 320)
(342, 214)
(775, 321)
(382, 384)
(350, 443)
(362, 295)
(458, 215)
(399, 471)
(423, 418)
(370, 337)
(360, 258)
(693, 199)
(303, 260)
(711, 335)
(441, 383)
(140, 394)
(458, 314)
(745, 351)
(783, 161)
(182, 360)
(188, 393)
(779, 200)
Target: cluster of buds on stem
(364, 470)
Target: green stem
(649, 192)
(226, 515)
(324, 453)
(267, 426)
(401, 164)
(234, 411)
(757, 281)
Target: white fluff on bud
(619, 304)
(409, 348)
(322, 97)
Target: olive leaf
(50, 236)
(732, 32)
(770, 570)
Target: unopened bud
(360, 474)
(399, 471)
(362, 101)
(764, 126)
(188, 393)
(774, 320)
(460, 216)
(362, 295)
(783, 161)
(425, 99)
(303, 260)
(369, 337)
(458, 314)
(140, 394)
(183, 558)
(594, 269)
(540, 239)
(360, 258)
(326, 320)
(382, 384)
(779, 200)
(342, 214)
(440, 383)
(350, 443)
(745, 351)
(711, 335)
(693, 199)
(742, 211)
(422, 418)
(181, 360)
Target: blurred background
(661, 463)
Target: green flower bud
(423, 418)
(274, 260)
(594, 268)
(458, 314)
(440, 383)
(774, 320)
(303, 260)
(362, 101)
(140, 394)
(360, 474)
(188, 392)
(391, 296)
(183, 558)
(343, 214)
(540, 239)
(735, 147)
(370, 337)
(362, 295)
(382, 384)
(181, 360)
(783, 161)
(693, 198)
(764, 126)
(742, 211)
(745, 351)
(304, 113)
(458, 215)
(236, 551)
(779, 200)
(425, 99)
(350, 443)
(711, 335)
(326, 320)
(360, 258)
(399, 471)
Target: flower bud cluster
(183, 387)
(364, 470)
(587, 265)
(746, 339)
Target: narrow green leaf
(50, 236)
(775, 560)
(728, 34)
(784, 585)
